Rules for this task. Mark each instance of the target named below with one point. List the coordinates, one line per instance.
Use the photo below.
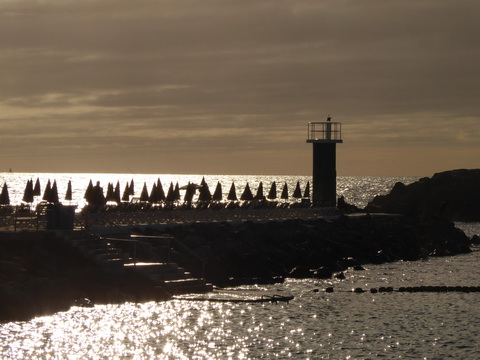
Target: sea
(316, 324)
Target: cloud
(236, 78)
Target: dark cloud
(121, 81)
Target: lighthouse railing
(325, 130)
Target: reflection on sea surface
(315, 325)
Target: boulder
(475, 240)
(453, 195)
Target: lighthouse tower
(324, 136)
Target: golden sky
(228, 87)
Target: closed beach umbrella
(217, 194)
(131, 188)
(144, 194)
(89, 193)
(272, 194)
(232, 194)
(37, 191)
(170, 194)
(46, 192)
(189, 193)
(205, 194)
(109, 196)
(160, 193)
(4, 196)
(259, 195)
(153, 198)
(284, 194)
(306, 194)
(176, 192)
(297, 193)
(126, 193)
(116, 193)
(68, 194)
(53, 197)
(28, 193)
(247, 194)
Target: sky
(228, 87)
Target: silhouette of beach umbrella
(53, 195)
(232, 194)
(153, 198)
(189, 193)
(144, 193)
(272, 194)
(176, 192)
(217, 194)
(68, 194)
(116, 193)
(126, 193)
(297, 193)
(46, 192)
(306, 194)
(4, 196)
(109, 196)
(247, 193)
(284, 194)
(259, 195)
(160, 192)
(28, 193)
(131, 188)
(89, 193)
(170, 194)
(205, 194)
(37, 190)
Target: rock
(358, 267)
(453, 195)
(322, 273)
(475, 240)
(300, 272)
(346, 207)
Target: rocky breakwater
(454, 195)
(268, 251)
(41, 274)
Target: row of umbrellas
(50, 193)
(94, 193)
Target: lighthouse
(324, 136)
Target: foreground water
(315, 325)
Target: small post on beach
(324, 136)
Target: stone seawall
(263, 251)
(41, 274)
